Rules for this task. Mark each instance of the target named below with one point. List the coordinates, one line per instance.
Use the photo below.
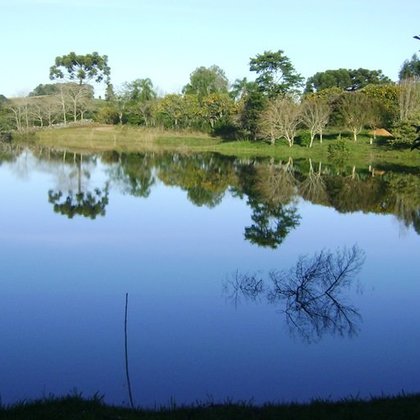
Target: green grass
(75, 407)
(130, 139)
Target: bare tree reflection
(249, 287)
(313, 188)
(311, 294)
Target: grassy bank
(129, 139)
(75, 407)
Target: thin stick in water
(130, 396)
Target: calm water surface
(204, 247)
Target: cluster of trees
(274, 106)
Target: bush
(404, 134)
(304, 139)
(339, 152)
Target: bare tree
(78, 97)
(409, 98)
(315, 114)
(61, 99)
(20, 110)
(280, 119)
(51, 109)
(353, 108)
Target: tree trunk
(312, 139)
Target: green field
(129, 139)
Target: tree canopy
(204, 81)
(276, 74)
(410, 68)
(82, 68)
(43, 90)
(345, 79)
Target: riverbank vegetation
(276, 108)
(76, 407)
(335, 146)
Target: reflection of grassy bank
(126, 139)
(401, 407)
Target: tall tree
(385, 99)
(240, 88)
(410, 68)
(141, 90)
(276, 74)
(204, 81)
(250, 107)
(83, 68)
(409, 100)
(345, 79)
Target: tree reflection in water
(87, 204)
(83, 203)
(271, 224)
(310, 294)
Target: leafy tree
(410, 68)
(385, 100)
(217, 106)
(43, 90)
(240, 88)
(140, 90)
(276, 74)
(140, 95)
(171, 109)
(4, 114)
(204, 81)
(344, 79)
(250, 108)
(82, 68)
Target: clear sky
(166, 40)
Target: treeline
(274, 106)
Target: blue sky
(166, 40)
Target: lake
(247, 280)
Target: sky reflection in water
(64, 280)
